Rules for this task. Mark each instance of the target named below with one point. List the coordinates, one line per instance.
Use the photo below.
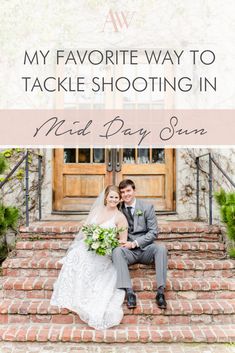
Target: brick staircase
(200, 290)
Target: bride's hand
(121, 242)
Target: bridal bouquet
(101, 240)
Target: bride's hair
(97, 210)
(108, 190)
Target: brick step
(39, 249)
(205, 237)
(124, 333)
(47, 267)
(184, 268)
(147, 312)
(172, 254)
(190, 288)
(164, 227)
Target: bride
(87, 281)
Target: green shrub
(3, 164)
(232, 253)
(8, 219)
(226, 202)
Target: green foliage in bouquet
(226, 202)
(101, 240)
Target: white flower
(95, 236)
(139, 213)
(95, 245)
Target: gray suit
(144, 231)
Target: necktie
(131, 218)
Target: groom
(140, 246)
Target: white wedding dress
(87, 286)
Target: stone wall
(13, 192)
(47, 190)
(186, 179)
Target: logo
(118, 20)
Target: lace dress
(87, 286)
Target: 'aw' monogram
(119, 20)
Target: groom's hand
(127, 245)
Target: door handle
(109, 160)
(118, 164)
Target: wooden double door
(80, 174)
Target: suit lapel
(124, 211)
(135, 215)
(126, 214)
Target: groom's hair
(125, 183)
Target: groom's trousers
(123, 257)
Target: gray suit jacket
(145, 225)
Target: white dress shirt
(132, 207)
